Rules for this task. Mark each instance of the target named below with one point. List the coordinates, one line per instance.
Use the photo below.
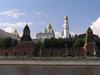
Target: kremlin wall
(26, 46)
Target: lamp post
(94, 50)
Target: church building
(47, 33)
(65, 32)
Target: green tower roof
(26, 27)
(89, 30)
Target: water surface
(48, 70)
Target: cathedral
(47, 33)
(65, 32)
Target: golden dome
(35, 35)
(49, 26)
(66, 17)
(12, 33)
(15, 31)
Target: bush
(59, 53)
(50, 53)
(87, 52)
(63, 55)
(68, 53)
(76, 53)
(24, 53)
(33, 53)
(6, 53)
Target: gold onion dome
(49, 26)
(15, 31)
(35, 35)
(66, 17)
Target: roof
(26, 27)
(89, 30)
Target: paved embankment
(50, 61)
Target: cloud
(42, 23)
(17, 24)
(73, 33)
(9, 29)
(38, 13)
(57, 34)
(96, 27)
(13, 13)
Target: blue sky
(14, 14)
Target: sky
(15, 14)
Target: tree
(8, 42)
(6, 53)
(87, 53)
(15, 52)
(68, 53)
(50, 53)
(76, 53)
(59, 53)
(41, 53)
(24, 53)
(33, 53)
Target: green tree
(40, 53)
(6, 53)
(59, 53)
(76, 53)
(68, 53)
(33, 53)
(24, 53)
(87, 53)
(50, 53)
(8, 42)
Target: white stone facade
(65, 33)
(47, 33)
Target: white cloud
(73, 33)
(96, 27)
(57, 34)
(42, 23)
(20, 34)
(9, 29)
(38, 13)
(18, 24)
(13, 13)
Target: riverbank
(51, 61)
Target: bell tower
(65, 33)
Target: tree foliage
(75, 41)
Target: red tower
(89, 42)
(26, 44)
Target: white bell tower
(65, 28)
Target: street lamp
(94, 50)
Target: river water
(48, 70)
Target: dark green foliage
(33, 53)
(6, 53)
(76, 53)
(68, 53)
(73, 42)
(24, 53)
(8, 42)
(59, 53)
(15, 53)
(63, 55)
(41, 53)
(87, 52)
(50, 53)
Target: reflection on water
(48, 70)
